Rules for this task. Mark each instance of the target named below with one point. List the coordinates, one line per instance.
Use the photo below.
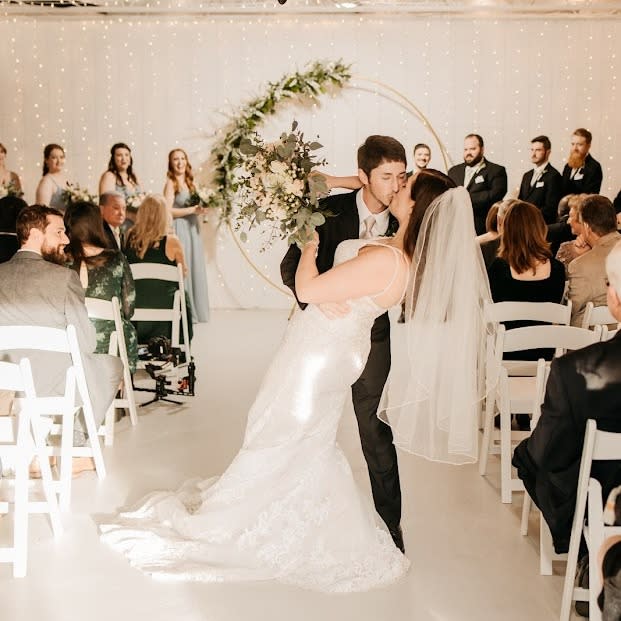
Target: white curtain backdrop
(157, 83)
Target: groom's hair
(379, 149)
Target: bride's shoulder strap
(399, 260)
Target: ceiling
(567, 8)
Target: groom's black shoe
(397, 536)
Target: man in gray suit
(37, 290)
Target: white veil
(433, 401)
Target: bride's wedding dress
(287, 508)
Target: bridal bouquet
(133, 201)
(10, 189)
(202, 197)
(278, 188)
(75, 194)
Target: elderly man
(37, 290)
(587, 273)
(583, 384)
(541, 186)
(485, 181)
(112, 206)
(582, 173)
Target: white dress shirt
(381, 219)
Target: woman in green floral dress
(104, 274)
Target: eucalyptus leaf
(317, 218)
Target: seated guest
(37, 290)
(489, 247)
(559, 231)
(10, 206)
(104, 274)
(148, 242)
(491, 225)
(577, 246)
(587, 274)
(583, 384)
(112, 207)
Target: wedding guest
(422, 156)
(148, 242)
(583, 384)
(491, 225)
(178, 189)
(582, 174)
(104, 273)
(587, 274)
(485, 181)
(120, 176)
(490, 242)
(112, 208)
(54, 180)
(542, 186)
(10, 206)
(577, 246)
(9, 179)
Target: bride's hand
(312, 244)
(334, 310)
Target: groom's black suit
(375, 436)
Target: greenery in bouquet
(75, 194)
(278, 189)
(133, 201)
(10, 189)
(203, 197)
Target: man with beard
(582, 174)
(363, 214)
(485, 181)
(37, 290)
(541, 186)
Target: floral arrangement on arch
(278, 189)
(317, 79)
(10, 189)
(75, 194)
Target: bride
(287, 508)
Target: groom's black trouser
(375, 436)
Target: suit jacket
(35, 292)
(587, 277)
(488, 186)
(591, 181)
(112, 245)
(545, 194)
(583, 384)
(345, 224)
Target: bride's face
(402, 203)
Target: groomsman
(582, 174)
(542, 186)
(485, 181)
(112, 207)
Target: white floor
(469, 561)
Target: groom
(358, 215)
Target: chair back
(548, 312)
(154, 271)
(608, 334)
(34, 337)
(597, 316)
(560, 338)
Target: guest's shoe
(82, 464)
(397, 536)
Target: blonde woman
(149, 242)
(178, 188)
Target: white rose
(295, 187)
(280, 168)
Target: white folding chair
(598, 446)
(111, 311)
(518, 394)
(21, 439)
(38, 338)
(598, 316)
(608, 334)
(177, 314)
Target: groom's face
(382, 184)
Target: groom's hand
(334, 310)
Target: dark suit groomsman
(112, 207)
(358, 215)
(542, 186)
(485, 181)
(582, 174)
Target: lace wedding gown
(287, 508)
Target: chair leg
(89, 420)
(505, 455)
(128, 393)
(66, 460)
(20, 521)
(546, 548)
(488, 425)
(525, 514)
(109, 425)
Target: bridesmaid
(120, 176)
(177, 190)
(54, 181)
(8, 178)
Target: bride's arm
(367, 274)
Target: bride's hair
(428, 185)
